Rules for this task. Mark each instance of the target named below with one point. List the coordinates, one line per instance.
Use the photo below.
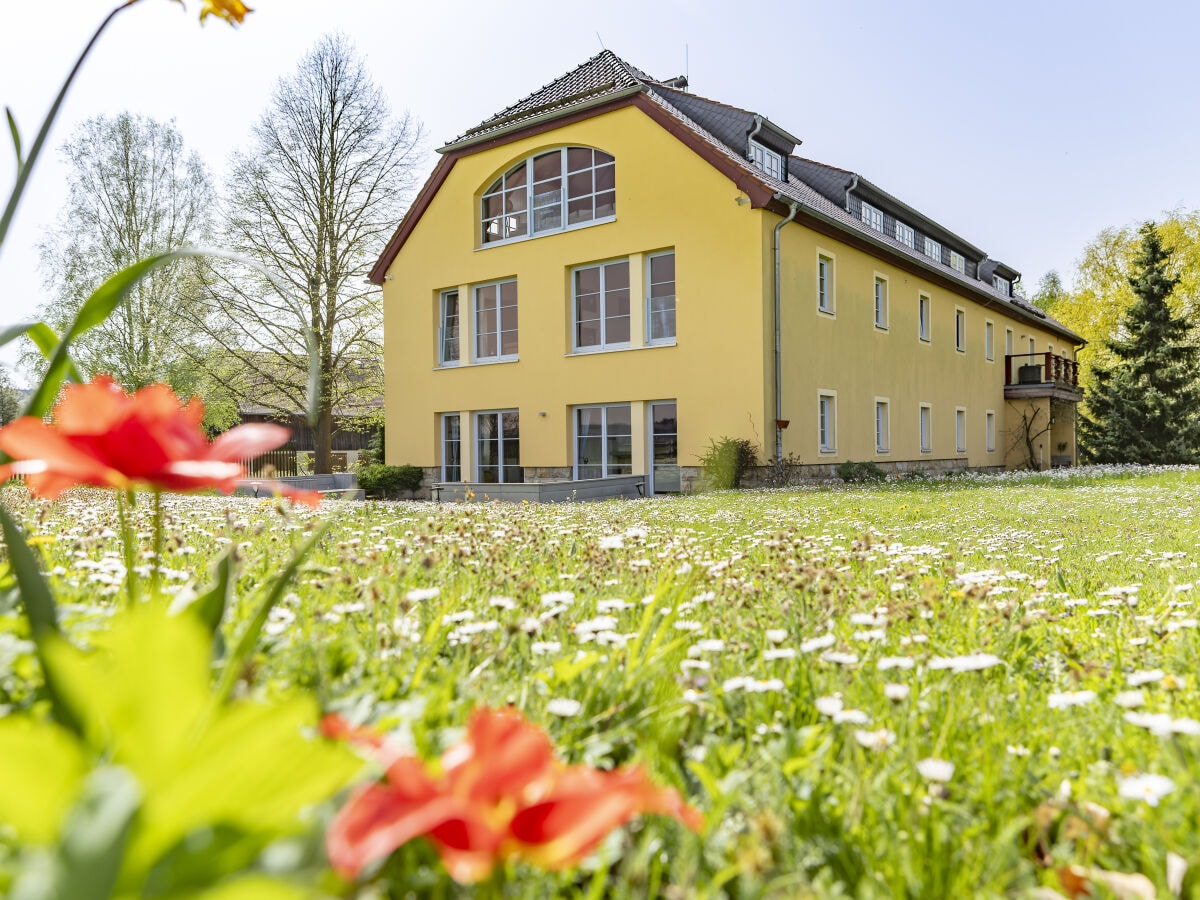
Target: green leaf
(36, 598)
(16, 134)
(96, 833)
(249, 637)
(211, 605)
(12, 332)
(98, 307)
(43, 769)
(47, 342)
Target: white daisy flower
(1150, 788)
(563, 706)
(1070, 698)
(938, 770)
(875, 740)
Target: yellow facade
(720, 368)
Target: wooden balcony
(1041, 375)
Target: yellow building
(612, 273)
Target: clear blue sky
(1025, 127)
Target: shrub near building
(389, 481)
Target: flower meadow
(979, 686)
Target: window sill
(828, 451)
(882, 328)
(542, 234)
(827, 313)
(599, 351)
(926, 341)
(479, 362)
(926, 449)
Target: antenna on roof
(601, 40)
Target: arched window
(549, 192)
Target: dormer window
(549, 192)
(933, 250)
(872, 216)
(905, 234)
(1003, 285)
(766, 159)
(958, 262)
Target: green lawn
(791, 660)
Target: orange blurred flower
(501, 793)
(104, 437)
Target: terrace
(1028, 375)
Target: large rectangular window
(1003, 285)
(451, 447)
(496, 321)
(933, 250)
(601, 306)
(958, 262)
(498, 447)
(448, 353)
(825, 302)
(960, 330)
(827, 422)
(1008, 341)
(664, 447)
(905, 234)
(660, 297)
(989, 338)
(882, 437)
(989, 430)
(923, 317)
(881, 302)
(603, 441)
(926, 428)
(960, 430)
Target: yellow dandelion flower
(232, 11)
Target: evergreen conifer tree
(1145, 407)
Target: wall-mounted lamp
(542, 414)
(741, 199)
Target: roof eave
(917, 214)
(936, 271)
(547, 116)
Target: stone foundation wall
(808, 473)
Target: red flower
(501, 793)
(104, 437)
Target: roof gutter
(779, 426)
(549, 115)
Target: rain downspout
(794, 208)
(850, 190)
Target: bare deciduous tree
(133, 191)
(311, 204)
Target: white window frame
(605, 465)
(872, 216)
(1003, 285)
(499, 188)
(826, 283)
(604, 344)
(960, 329)
(652, 464)
(651, 338)
(906, 235)
(827, 421)
(960, 429)
(989, 430)
(1032, 347)
(924, 318)
(883, 434)
(958, 262)
(881, 302)
(499, 355)
(1008, 342)
(925, 427)
(446, 442)
(989, 340)
(933, 249)
(767, 160)
(478, 436)
(443, 302)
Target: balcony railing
(1040, 368)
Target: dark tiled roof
(602, 75)
(820, 189)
